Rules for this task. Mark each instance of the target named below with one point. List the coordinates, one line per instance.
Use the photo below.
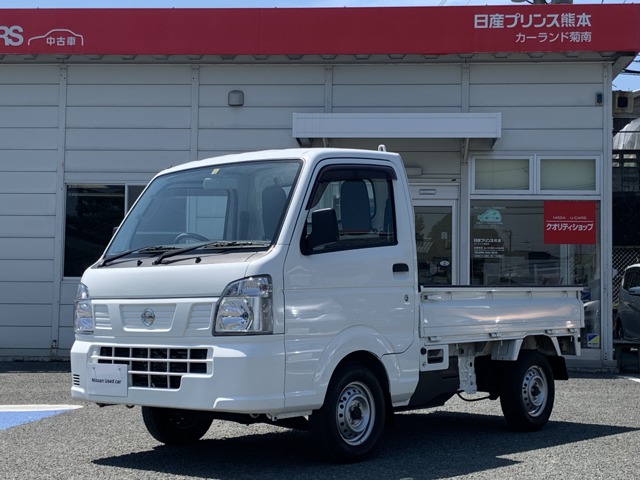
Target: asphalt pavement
(594, 433)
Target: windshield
(237, 202)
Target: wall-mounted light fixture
(236, 98)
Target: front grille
(75, 379)
(157, 367)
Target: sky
(625, 82)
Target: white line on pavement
(37, 408)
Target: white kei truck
(281, 286)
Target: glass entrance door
(436, 242)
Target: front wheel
(350, 424)
(528, 392)
(176, 427)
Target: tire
(527, 392)
(350, 424)
(176, 427)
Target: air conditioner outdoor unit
(622, 102)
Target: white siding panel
(419, 146)
(28, 315)
(22, 226)
(402, 96)
(398, 75)
(29, 95)
(68, 289)
(17, 338)
(266, 96)
(31, 138)
(108, 178)
(128, 117)
(26, 249)
(531, 73)
(65, 340)
(550, 140)
(532, 95)
(66, 333)
(26, 270)
(121, 163)
(28, 74)
(32, 117)
(244, 140)
(27, 204)
(28, 182)
(129, 74)
(66, 316)
(128, 139)
(548, 117)
(33, 293)
(236, 76)
(248, 117)
(129, 95)
(28, 160)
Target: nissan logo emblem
(148, 317)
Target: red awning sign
(321, 31)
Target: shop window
(92, 213)
(533, 243)
(511, 176)
(501, 174)
(568, 174)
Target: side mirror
(634, 291)
(324, 230)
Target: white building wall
(272, 93)
(28, 159)
(545, 107)
(123, 123)
(404, 89)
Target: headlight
(82, 312)
(245, 307)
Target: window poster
(487, 228)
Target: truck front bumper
(238, 375)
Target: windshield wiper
(153, 249)
(217, 244)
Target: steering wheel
(189, 237)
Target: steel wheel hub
(535, 391)
(355, 412)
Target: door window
(350, 207)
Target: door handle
(400, 267)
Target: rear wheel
(176, 427)
(527, 392)
(350, 424)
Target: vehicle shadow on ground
(419, 446)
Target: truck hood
(176, 280)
